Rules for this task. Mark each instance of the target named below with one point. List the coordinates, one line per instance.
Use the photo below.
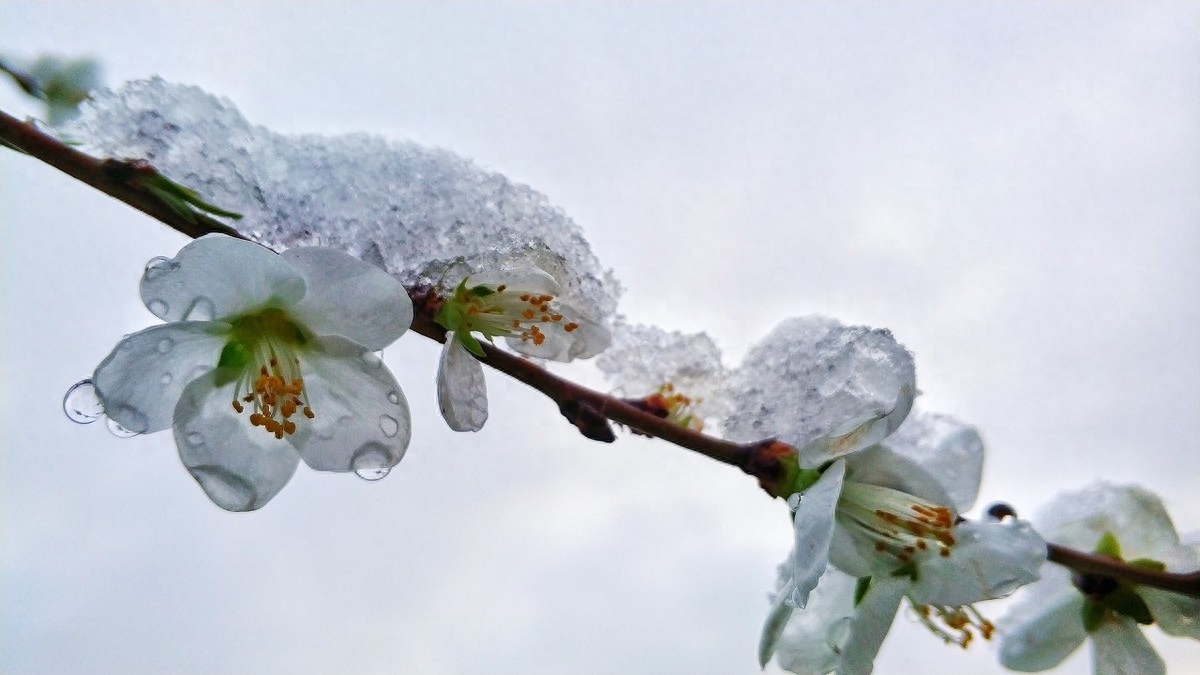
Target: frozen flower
(264, 360)
(879, 516)
(524, 308)
(1058, 613)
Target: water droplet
(194, 438)
(394, 397)
(158, 266)
(158, 308)
(133, 420)
(166, 378)
(165, 345)
(1003, 587)
(374, 460)
(388, 425)
(118, 430)
(202, 309)
(371, 359)
(379, 353)
(81, 404)
(372, 474)
(227, 489)
(793, 502)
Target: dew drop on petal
(158, 266)
(394, 397)
(166, 378)
(372, 359)
(372, 474)
(1004, 587)
(202, 309)
(118, 430)
(229, 490)
(194, 439)
(165, 345)
(158, 307)
(388, 425)
(794, 501)
(81, 404)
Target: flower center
(898, 524)
(954, 624)
(263, 348)
(675, 407)
(500, 311)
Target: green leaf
(1125, 601)
(1092, 614)
(860, 590)
(1148, 564)
(1109, 546)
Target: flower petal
(531, 280)
(348, 297)
(777, 620)
(1120, 648)
(813, 641)
(1136, 517)
(461, 388)
(859, 432)
(217, 277)
(1176, 614)
(585, 339)
(950, 451)
(1044, 626)
(988, 560)
(361, 418)
(240, 467)
(814, 522)
(140, 382)
(872, 620)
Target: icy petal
(362, 420)
(988, 560)
(348, 297)
(1044, 626)
(142, 379)
(949, 450)
(872, 620)
(814, 521)
(823, 387)
(461, 388)
(814, 639)
(1176, 614)
(777, 619)
(1136, 517)
(219, 277)
(240, 467)
(1120, 648)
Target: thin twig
(116, 179)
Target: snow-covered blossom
(525, 309)
(265, 359)
(1054, 616)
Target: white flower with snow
(888, 516)
(265, 360)
(1054, 616)
(525, 309)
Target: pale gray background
(1012, 188)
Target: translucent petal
(858, 433)
(142, 379)
(348, 297)
(988, 560)
(1136, 516)
(872, 620)
(814, 521)
(530, 280)
(240, 467)
(1044, 626)
(1174, 613)
(462, 391)
(814, 639)
(1120, 648)
(777, 619)
(361, 418)
(584, 341)
(950, 451)
(217, 277)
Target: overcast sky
(1012, 188)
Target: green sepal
(183, 200)
(860, 590)
(1125, 601)
(1109, 546)
(803, 479)
(908, 570)
(481, 290)
(235, 355)
(470, 343)
(1148, 564)
(1092, 615)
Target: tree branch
(123, 180)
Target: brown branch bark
(117, 178)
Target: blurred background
(1011, 188)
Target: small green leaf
(860, 590)
(1148, 564)
(1109, 546)
(1124, 600)
(1092, 614)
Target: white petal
(950, 451)
(1174, 613)
(858, 433)
(777, 619)
(1120, 648)
(532, 280)
(988, 560)
(140, 382)
(814, 521)
(348, 297)
(584, 341)
(1136, 516)
(872, 620)
(814, 638)
(1044, 626)
(878, 465)
(361, 418)
(239, 466)
(462, 391)
(218, 277)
